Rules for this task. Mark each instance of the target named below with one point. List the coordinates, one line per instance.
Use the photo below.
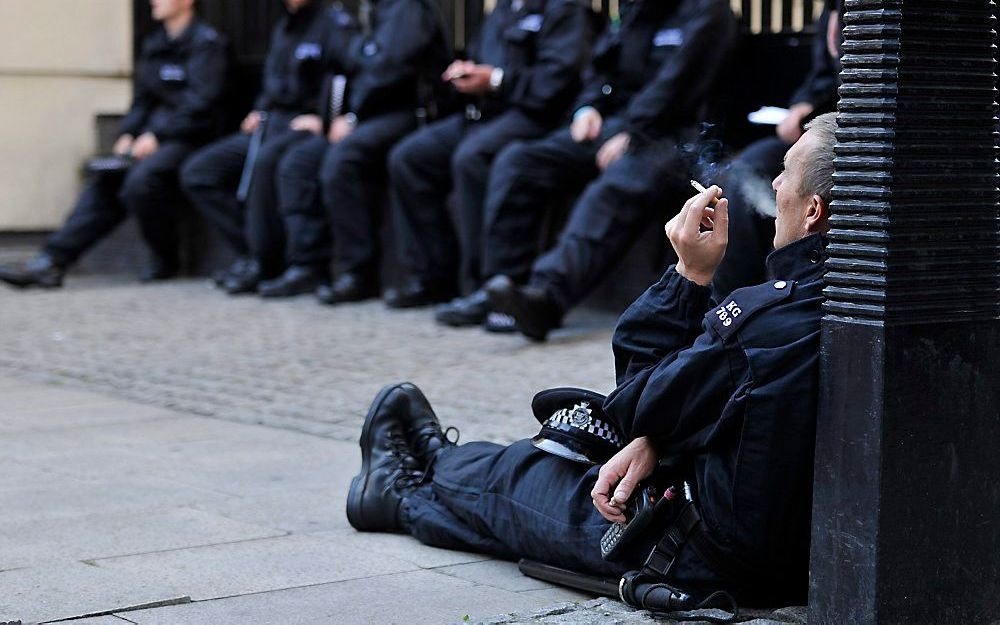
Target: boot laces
(407, 474)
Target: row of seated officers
(546, 107)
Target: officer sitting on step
(649, 79)
(726, 391)
(334, 181)
(523, 72)
(179, 80)
(296, 60)
(626, 134)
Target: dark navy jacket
(542, 46)
(302, 44)
(656, 68)
(734, 386)
(179, 84)
(389, 67)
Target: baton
(572, 579)
(256, 139)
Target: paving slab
(404, 548)
(24, 543)
(497, 573)
(256, 566)
(430, 598)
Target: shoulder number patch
(727, 318)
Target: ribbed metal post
(906, 523)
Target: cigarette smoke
(739, 181)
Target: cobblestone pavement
(290, 364)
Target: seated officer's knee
(512, 158)
(343, 160)
(139, 190)
(194, 173)
(469, 160)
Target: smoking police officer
(332, 183)
(521, 76)
(728, 390)
(650, 85)
(178, 87)
(299, 50)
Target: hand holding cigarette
(699, 234)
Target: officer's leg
(471, 165)
(151, 193)
(299, 202)
(607, 219)
(420, 181)
(265, 230)
(747, 184)
(95, 214)
(524, 180)
(515, 501)
(210, 179)
(350, 179)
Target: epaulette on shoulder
(728, 317)
(206, 33)
(341, 17)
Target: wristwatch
(351, 119)
(496, 78)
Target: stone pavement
(169, 455)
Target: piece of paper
(768, 115)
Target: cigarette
(700, 188)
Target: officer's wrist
(699, 277)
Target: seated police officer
(522, 73)
(296, 60)
(179, 81)
(727, 392)
(334, 180)
(751, 222)
(651, 82)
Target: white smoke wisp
(756, 190)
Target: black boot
(244, 281)
(423, 430)
(160, 269)
(534, 309)
(41, 271)
(348, 287)
(470, 310)
(297, 280)
(417, 293)
(389, 470)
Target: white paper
(768, 116)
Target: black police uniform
(389, 70)
(541, 46)
(651, 77)
(752, 234)
(301, 45)
(178, 90)
(731, 388)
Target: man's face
(295, 5)
(168, 9)
(790, 224)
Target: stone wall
(61, 63)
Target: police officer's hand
(307, 123)
(700, 235)
(587, 125)
(613, 149)
(790, 129)
(250, 122)
(145, 145)
(475, 80)
(619, 477)
(123, 145)
(340, 128)
(456, 69)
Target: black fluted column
(906, 520)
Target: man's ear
(817, 215)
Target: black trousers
(527, 178)
(149, 190)
(520, 502)
(608, 218)
(424, 168)
(211, 177)
(336, 190)
(747, 184)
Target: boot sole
(359, 484)
(508, 302)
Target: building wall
(62, 62)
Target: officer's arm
(336, 57)
(683, 84)
(678, 400)
(820, 86)
(561, 55)
(206, 84)
(134, 122)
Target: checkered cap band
(579, 417)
